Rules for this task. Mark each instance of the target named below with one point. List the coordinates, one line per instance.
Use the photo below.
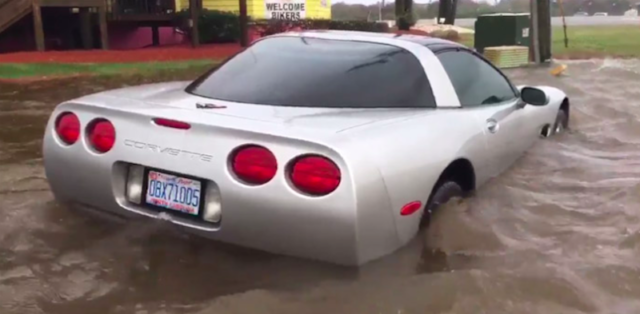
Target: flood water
(558, 233)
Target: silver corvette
(327, 145)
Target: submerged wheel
(562, 121)
(441, 195)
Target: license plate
(173, 192)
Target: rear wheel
(433, 259)
(441, 195)
(562, 121)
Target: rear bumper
(273, 218)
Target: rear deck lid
(173, 95)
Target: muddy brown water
(558, 233)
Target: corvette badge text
(168, 150)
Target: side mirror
(534, 96)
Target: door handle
(493, 126)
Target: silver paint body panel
(388, 158)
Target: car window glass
(475, 81)
(312, 72)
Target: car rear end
(252, 153)
(247, 183)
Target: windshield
(311, 72)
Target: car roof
(434, 44)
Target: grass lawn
(592, 42)
(584, 42)
(30, 70)
(597, 41)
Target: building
(122, 24)
(282, 9)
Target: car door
(487, 94)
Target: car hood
(173, 95)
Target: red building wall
(126, 37)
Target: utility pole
(404, 12)
(447, 10)
(544, 27)
(194, 9)
(535, 31)
(244, 21)
(443, 7)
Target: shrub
(448, 34)
(404, 23)
(270, 27)
(224, 27)
(412, 31)
(214, 26)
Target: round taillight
(315, 175)
(68, 128)
(102, 135)
(254, 164)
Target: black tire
(442, 194)
(562, 122)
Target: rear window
(311, 72)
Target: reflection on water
(558, 233)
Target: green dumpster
(502, 29)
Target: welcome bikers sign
(285, 9)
